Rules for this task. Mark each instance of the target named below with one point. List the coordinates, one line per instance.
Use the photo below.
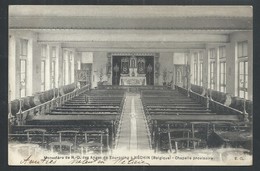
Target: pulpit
(133, 71)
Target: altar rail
(221, 97)
(38, 98)
(22, 116)
(215, 106)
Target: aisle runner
(133, 133)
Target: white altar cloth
(133, 80)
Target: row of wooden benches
(169, 107)
(93, 110)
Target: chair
(172, 137)
(93, 141)
(176, 124)
(36, 136)
(202, 134)
(188, 140)
(61, 143)
(222, 125)
(174, 129)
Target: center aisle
(133, 133)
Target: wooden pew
(166, 106)
(102, 111)
(84, 110)
(93, 121)
(158, 121)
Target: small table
(176, 140)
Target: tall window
(65, 56)
(212, 55)
(242, 55)
(200, 69)
(179, 76)
(43, 66)
(53, 66)
(70, 67)
(23, 66)
(42, 75)
(78, 65)
(196, 68)
(222, 68)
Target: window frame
(44, 52)
(200, 69)
(195, 55)
(53, 66)
(23, 57)
(64, 67)
(212, 65)
(43, 71)
(242, 91)
(70, 66)
(222, 73)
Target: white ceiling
(130, 11)
(131, 27)
(131, 17)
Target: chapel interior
(97, 79)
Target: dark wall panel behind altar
(121, 65)
(116, 70)
(149, 61)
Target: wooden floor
(133, 132)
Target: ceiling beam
(133, 37)
(166, 23)
(134, 45)
(157, 50)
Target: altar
(133, 71)
(133, 80)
